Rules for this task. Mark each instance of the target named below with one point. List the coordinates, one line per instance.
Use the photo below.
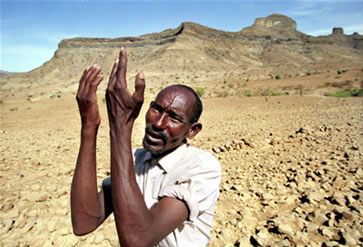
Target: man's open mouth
(154, 138)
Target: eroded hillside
(198, 56)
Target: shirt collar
(169, 161)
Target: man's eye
(175, 118)
(156, 107)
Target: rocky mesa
(200, 56)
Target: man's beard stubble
(158, 134)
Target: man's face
(168, 120)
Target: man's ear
(194, 130)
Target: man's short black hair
(198, 103)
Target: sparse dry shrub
(301, 91)
(248, 93)
(200, 91)
(279, 94)
(357, 92)
(346, 93)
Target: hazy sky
(31, 30)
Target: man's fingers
(112, 79)
(84, 75)
(90, 76)
(93, 73)
(121, 69)
(94, 84)
(138, 95)
(82, 82)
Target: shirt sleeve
(198, 187)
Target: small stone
(35, 187)
(302, 237)
(20, 221)
(359, 172)
(318, 217)
(257, 241)
(330, 244)
(330, 233)
(267, 197)
(282, 243)
(338, 198)
(42, 197)
(286, 229)
(347, 216)
(99, 238)
(64, 231)
(312, 228)
(29, 225)
(52, 225)
(338, 182)
(316, 196)
(13, 213)
(245, 241)
(32, 213)
(349, 239)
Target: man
(161, 195)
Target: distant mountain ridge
(274, 27)
(271, 45)
(4, 72)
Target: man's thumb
(139, 87)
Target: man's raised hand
(122, 107)
(87, 98)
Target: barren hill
(200, 56)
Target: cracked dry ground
(292, 171)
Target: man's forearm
(131, 214)
(86, 205)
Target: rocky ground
(292, 171)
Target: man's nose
(161, 121)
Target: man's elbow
(80, 231)
(81, 228)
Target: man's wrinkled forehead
(176, 97)
(175, 93)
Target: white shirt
(189, 174)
